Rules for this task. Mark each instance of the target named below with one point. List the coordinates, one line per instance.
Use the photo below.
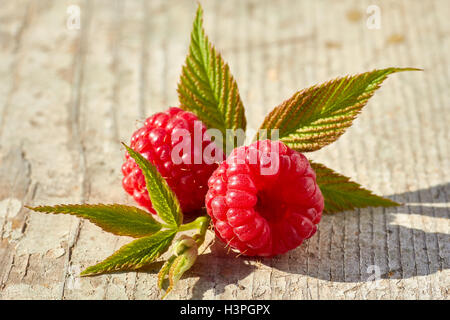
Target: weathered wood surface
(68, 97)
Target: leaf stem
(198, 223)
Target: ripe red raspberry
(156, 141)
(264, 201)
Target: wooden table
(69, 95)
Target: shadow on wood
(402, 261)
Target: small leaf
(164, 201)
(135, 254)
(179, 266)
(315, 117)
(340, 193)
(115, 218)
(206, 85)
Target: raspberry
(156, 141)
(264, 199)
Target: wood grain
(69, 97)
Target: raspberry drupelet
(264, 199)
(155, 141)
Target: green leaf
(317, 116)
(163, 199)
(177, 268)
(185, 251)
(135, 254)
(340, 193)
(206, 86)
(115, 218)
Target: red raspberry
(264, 206)
(155, 141)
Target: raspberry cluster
(264, 199)
(155, 141)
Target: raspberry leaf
(163, 199)
(136, 254)
(317, 116)
(185, 251)
(206, 86)
(115, 218)
(340, 193)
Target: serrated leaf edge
(335, 122)
(202, 54)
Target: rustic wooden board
(68, 97)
